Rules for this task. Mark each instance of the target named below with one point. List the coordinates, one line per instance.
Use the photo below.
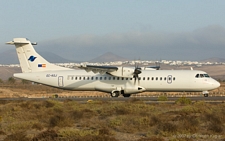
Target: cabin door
(60, 81)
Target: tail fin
(30, 60)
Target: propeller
(136, 72)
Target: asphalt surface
(216, 99)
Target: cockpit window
(201, 75)
(206, 75)
(197, 75)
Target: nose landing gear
(205, 93)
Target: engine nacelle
(133, 90)
(123, 72)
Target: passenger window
(160, 78)
(96, 78)
(75, 78)
(109, 78)
(84, 78)
(71, 78)
(174, 79)
(165, 78)
(143, 78)
(130, 78)
(126, 78)
(105, 78)
(156, 78)
(148, 78)
(118, 78)
(100, 78)
(87, 78)
(80, 78)
(92, 78)
(114, 78)
(152, 78)
(139, 78)
(122, 78)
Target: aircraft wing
(99, 69)
(116, 71)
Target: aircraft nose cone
(217, 84)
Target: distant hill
(108, 57)
(10, 57)
(214, 59)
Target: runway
(212, 99)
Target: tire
(206, 95)
(115, 94)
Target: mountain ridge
(10, 57)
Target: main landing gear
(117, 93)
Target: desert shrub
(76, 115)
(213, 117)
(154, 138)
(121, 111)
(162, 98)
(18, 136)
(84, 113)
(38, 126)
(183, 100)
(215, 127)
(95, 138)
(11, 80)
(118, 121)
(25, 81)
(2, 132)
(27, 104)
(52, 103)
(48, 103)
(60, 120)
(154, 120)
(167, 127)
(48, 135)
(189, 123)
(215, 122)
(134, 100)
(1, 81)
(104, 131)
(73, 132)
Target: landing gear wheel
(126, 95)
(206, 95)
(115, 94)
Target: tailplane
(30, 60)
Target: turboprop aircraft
(113, 80)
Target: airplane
(114, 80)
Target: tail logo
(32, 58)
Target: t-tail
(30, 60)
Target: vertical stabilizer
(30, 60)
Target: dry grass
(99, 120)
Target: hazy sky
(146, 29)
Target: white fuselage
(149, 80)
